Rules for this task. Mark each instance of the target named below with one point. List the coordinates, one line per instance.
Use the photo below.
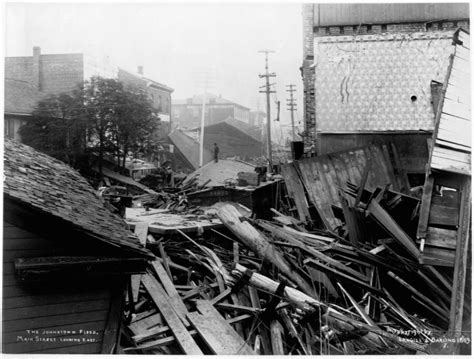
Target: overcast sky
(176, 43)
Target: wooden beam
(114, 320)
(218, 334)
(460, 267)
(159, 297)
(174, 297)
(276, 335)
(258, 243)
(392, 227)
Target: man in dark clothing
(216, 153)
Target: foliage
(102, 116)
(58, 127)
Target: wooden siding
(452, 140)
(59, 306)
(322, 176)
(355, 14)
(411, 147)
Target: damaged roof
(52, 187)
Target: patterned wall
(367, 82)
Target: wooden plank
(451, 133)
(322, 169)
(449, 165)
(452, 155)
(443, 216)
(438, 256)
(114, 320)
(342, 276)
(458, 95)
(464, 37)
(211, 313)
(418, 294)
(441, 141)
(222, 340)
(453, 108)
(164, 259)
(141, 326)
(255, 301)
(35, 300)
(157, 293)
(454, 123)
(454, 141)
(387, 222)
(158, 343)
(460, 80)
(312, 182)
(135, 281)
(458, 73)
(276, 335)
(462, 53)
(174, 297)
(151, 333)
(296, 191)
(456, 313)
(141, 230)
(55, 309)
(440, 237)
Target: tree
(120, 120)
(58, 127)
(99, 116)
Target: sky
(178, 44)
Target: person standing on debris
(216, 153)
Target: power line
(268, 91)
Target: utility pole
(292, 107)
(204, 80)
(267, 91)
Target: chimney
(36, 68)
(140, 70)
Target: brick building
(48, 73)
(187, 113)
(370, 73)
(158, 93)
(30, 78)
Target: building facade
(41, 75)
(368, 72)
(187, 113)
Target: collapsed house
(66, 259)
(371, 74)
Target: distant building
(28, 79)
(187, 113)
(368, 71)
(158, 93)
(20, 101)
(234, 138)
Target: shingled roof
(54, 188)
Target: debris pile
(273, 287)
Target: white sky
(173, 41)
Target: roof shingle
(56, 189)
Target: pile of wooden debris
(272, 287)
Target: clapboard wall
(48, 306)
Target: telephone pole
(267, 91)
(291, 107)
